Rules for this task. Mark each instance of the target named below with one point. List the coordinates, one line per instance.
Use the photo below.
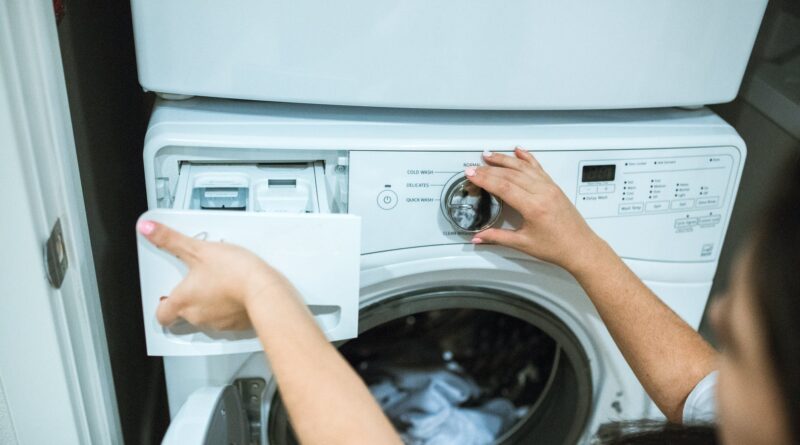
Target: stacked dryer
(349, 126)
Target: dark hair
(655, 432)
(775, 272)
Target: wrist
(255, 297)
(258, 289)
(594, 252)
(266, 289)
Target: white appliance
(521, 54)
(657, 185)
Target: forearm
(229, 287)
(666, 354)
(327, 401)
(668, 357)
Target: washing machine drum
(467, 366)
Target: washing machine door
(211, 415)
(319, 253)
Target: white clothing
(701, 405)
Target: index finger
(495, 182)
(513, 162)
(528, 157)
(170, 240)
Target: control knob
(469, 207)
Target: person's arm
(666, 354)
(228, 287)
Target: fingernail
(487, 154)
(145, 227)
(470, 171)
(476, 240)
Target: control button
(710, 220)
(657, 206)
(387, 199)
(682, 204)
(634, 207)
(468, 207)
(605, 189)
(685, 223)
(710, 201)
(588, 189)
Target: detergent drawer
(277, 213)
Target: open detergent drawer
(277, 212)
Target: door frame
(55, 374)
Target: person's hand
(552, 228)
(222, 280)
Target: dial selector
(469, 207)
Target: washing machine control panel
(653, 204)
(623, 187)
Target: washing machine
(357, 207)
(518, 55)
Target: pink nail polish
(487, 154)
(145, 227)
(470, 171)
(476, 240)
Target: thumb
(170, 240)
(167, 311)
(503, 237)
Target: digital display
(598, 173)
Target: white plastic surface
(692, 186)
(406, 156)
(516, 54)
(312, 250)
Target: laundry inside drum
(460, 375)
(469, 376)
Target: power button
(387, 199)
